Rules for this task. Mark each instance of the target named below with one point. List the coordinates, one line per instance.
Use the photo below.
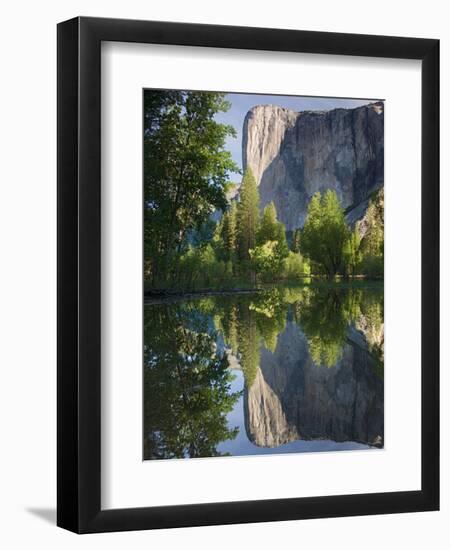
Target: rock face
(294, 154)
(292, 398)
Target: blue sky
(242, 103)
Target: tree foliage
(372, 244)
(228, 232)
(186, 168)
(295, 267)
(272, 247)
(325, 232)
(352, 253)
(247, 215)
(296, 236)
(268, 226)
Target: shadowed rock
(292, 398)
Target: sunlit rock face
(294, 154)
(292, 398)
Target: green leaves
(247, 215)
(272, 248)
(229, 232)
(185, 172)
(325, 232)
(352, 252)
(372, 244)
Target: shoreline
(165, 296)
(162, 297)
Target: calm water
(284, 370)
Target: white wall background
(28, 269)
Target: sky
(242, 103)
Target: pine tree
(229, 231)
(247, 215)
(296, 241)
(268, 227)
(282, 248)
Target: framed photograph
(248, 275)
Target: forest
(197, 239)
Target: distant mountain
(294, 154)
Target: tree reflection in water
(188, 383)
(186, 386)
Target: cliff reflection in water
(284, 370)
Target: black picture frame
(79, 281)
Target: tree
(268, 226)
(282, 248)
(295, 267)
(272, 246)
(185, 172)
(325, 232)
(265, 260)
(296, 240)
(372, 244)
(373, 240)
(229, 231)
(352, 252)
(247, 215)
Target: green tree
(272, 247)
(352, 252)
(373, 240)
(282, 249)
(295, 267)
(372, 244)
(296, 240)
(264, 259)
(185, 172)
(325, 232)
(229, 231)
(247, 215)
(268, 226)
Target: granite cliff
(294, 154)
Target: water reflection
(186, 386)
(285, 370)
